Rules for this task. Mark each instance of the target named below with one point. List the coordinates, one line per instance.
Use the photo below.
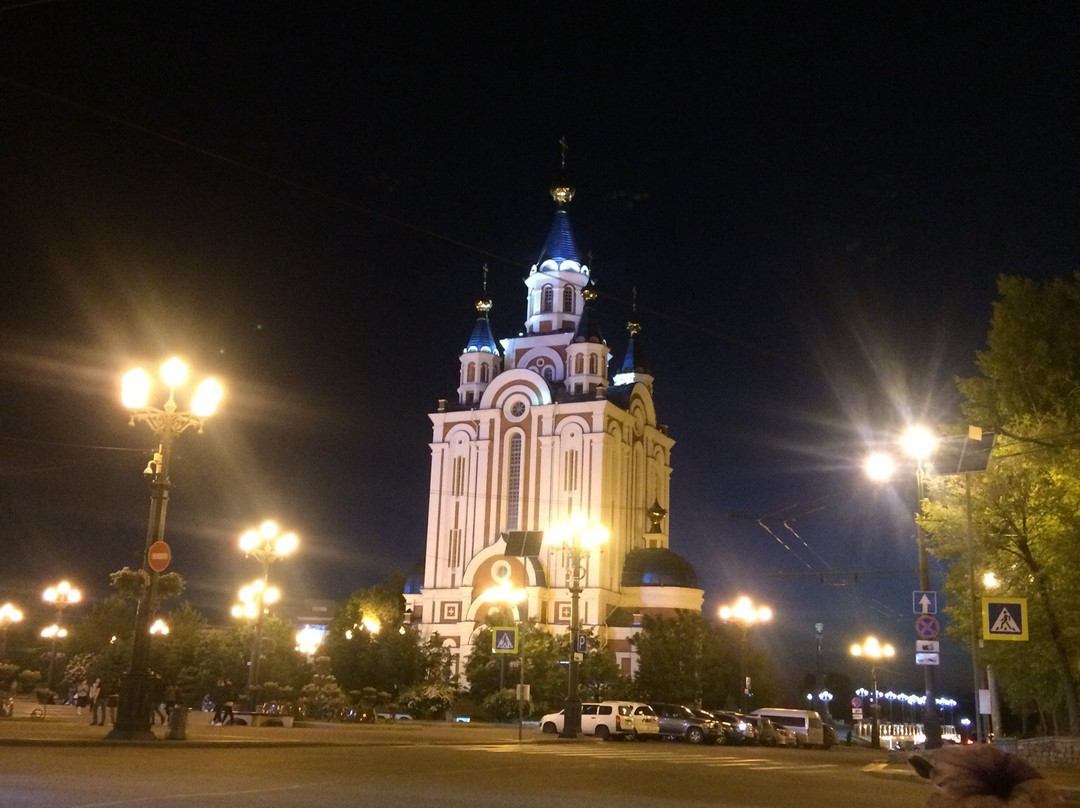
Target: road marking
(664, 756)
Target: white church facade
(542, 430)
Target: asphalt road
(533, 775)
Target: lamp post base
(571, 720)
(133, 712)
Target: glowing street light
(8, 615)
(578, 540)
(308, 640)
(52, 633)
(505, 592)
(167, 422)
(159, 626)
(266, 544)
(873, 651)
(745, 614)
(60, 596)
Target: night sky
(812, 204)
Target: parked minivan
(806, 724)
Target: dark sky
(812, 203)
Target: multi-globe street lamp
(60, 597)
(870, 649)
(167, 423)
(745, 614)
(52, 633)
(266, 544)
(254, 600)
(578, 540)
(160, 627)
(919, 444)
(8, 614)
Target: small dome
(657, 566)
(414, 581)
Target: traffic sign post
(1005, 619)
(504, 640)
(158, 556)
(927, 627)
(924, 602)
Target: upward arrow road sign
(924, 602)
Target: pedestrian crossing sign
(1005, 619)
(504, 640)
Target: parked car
(679, 723)
(609, 720)
(772, 734)
(728, 734)
(744, 727)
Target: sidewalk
(61, 726)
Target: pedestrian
(82, 696)
(230, 697)
(171, 696)
(97, 702)
(157, 696)
(983, 776)
(217, 697)
(112, 697)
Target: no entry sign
(158, 556)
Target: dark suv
(680, 723)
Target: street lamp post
(52, 633)
(254, 598)
(578, 540)
(874, 651)
(507, 593)
(266, 544)
(60, 596)
(919, 444)
(8, 615)
(167, 422)
(745, 614)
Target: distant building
(541, 430)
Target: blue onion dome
(657, 566)
(414, 581)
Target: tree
(670, 658)
(1024, 509)
(368, 644)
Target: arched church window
(579, 364)
(513, 484)
(592, 364)
(483, 373)
(549, 373)
(471, 374)
(568, 299)
(547, 299)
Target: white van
(806, 724)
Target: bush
(501, 706)
(44, 695)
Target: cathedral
(546, 429)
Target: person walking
(171, 696)
(157, 696)
(112, 697)
(230, 697)
(217, 698)
(82, 696)
(97, 702)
